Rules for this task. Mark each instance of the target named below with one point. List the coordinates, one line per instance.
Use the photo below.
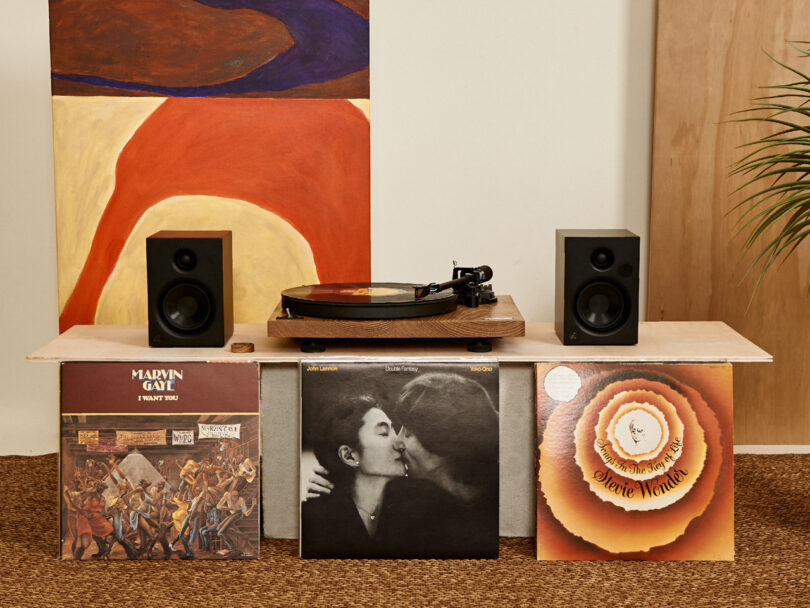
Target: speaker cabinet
(190, 288)
(597, 287)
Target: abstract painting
(210, 48)
(248, 116)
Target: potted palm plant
(775, 210)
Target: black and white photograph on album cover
(399, 460)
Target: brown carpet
(772, 530)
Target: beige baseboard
(772, 449)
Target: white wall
(493, 124)
(28, 305)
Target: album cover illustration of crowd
(202, 505)
(405, 464)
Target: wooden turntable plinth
(498, 320)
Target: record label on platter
(365, 301)
(372, 291)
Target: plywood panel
(709, 63)
(657, 342)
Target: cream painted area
(88, 136)
(364, 105)
(269, 255)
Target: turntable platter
(365, 301)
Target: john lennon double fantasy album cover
(399, 460)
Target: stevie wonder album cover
(408, 455)
(159, 461)
(635, 462)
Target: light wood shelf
(675, 341)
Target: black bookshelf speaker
(190, 288)
(596, 299)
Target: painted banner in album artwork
(159, 460)
(635, 461)
(410, 451)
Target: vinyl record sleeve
(159, 460)
(635, 461)
(412, 451)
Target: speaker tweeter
(596, 300)
(190, 288)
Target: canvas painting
(399, 460)
(635, 461)
(159, 461)
(249, 116)
(210, 48)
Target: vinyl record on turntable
(365, 301)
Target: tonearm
(468, 283)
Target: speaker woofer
(601, 306)
(187, 307)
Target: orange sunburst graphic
(636, 464)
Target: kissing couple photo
(399, 460)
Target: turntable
(462, 308)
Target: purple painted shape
(330, 41)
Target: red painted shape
(358, 6)
(305, 160)
(162, 42)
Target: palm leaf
(775, 216)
